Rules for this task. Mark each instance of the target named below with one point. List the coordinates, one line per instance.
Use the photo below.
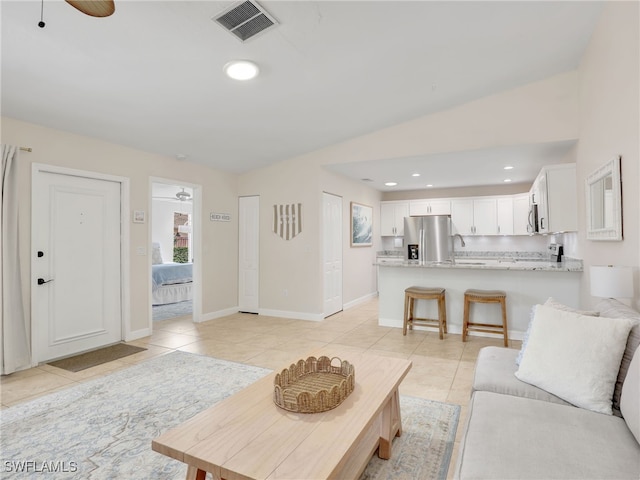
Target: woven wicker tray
(314, 385)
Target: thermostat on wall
(220, 217)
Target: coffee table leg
(391, 425)
(194, 473)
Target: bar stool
(485, 296)
(412, 294)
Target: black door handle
(42, 281)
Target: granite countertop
(488, 261)
(483, 263)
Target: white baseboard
(358, 301)
(136, 334)
(218, 314)
(314, 317)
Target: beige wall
(610, 126)
(295, 266)
(597, 104)
(219, 259)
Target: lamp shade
(611, 282)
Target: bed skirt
(178, 292)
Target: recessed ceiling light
(415, 175)
(507, 180)
(508, 167)
(429, 185)
(241, 69)
(391, 184)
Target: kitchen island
(526, 282)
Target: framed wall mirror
(604, 202)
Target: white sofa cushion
(495, 372)
(630, 398)
(509, 437)
(576, 357)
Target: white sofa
(515, 430)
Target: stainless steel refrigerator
(427, 239)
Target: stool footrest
(490, 325)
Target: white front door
(76, 267)
(249, 254)
(332, 257)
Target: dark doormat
(96, 357)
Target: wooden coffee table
(246, 436)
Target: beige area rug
(83, 361)
(102, 429)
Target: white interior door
(249, 254)
(76, 268)
(332, 257)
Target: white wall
(609, 121)
(219, 240)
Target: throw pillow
(575, 357)
(551, 302)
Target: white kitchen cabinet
(429, 207)
(504, 215)
(521, 214)
(392, 218)
(474, 216)
(554, 191)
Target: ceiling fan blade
(94, 8)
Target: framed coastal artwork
(361, 225)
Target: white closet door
(332, 257)
(249, 254)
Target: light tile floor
(442, 369)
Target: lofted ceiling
(150, 76)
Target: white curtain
(15, 350)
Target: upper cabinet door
(521, 214)
(504, 214)
(462, 216)
(429, 207)
(485, 219)
(392, 218)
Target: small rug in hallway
(102, 429)
(172, 310)
(86, 360)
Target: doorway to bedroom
(172, 247)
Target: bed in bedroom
(170, 282)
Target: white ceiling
(150, 76)
(162, 191)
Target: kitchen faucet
(460, 237)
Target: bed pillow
(575, 357)
(551, 302)
(156, 254)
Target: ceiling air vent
(245, 20)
